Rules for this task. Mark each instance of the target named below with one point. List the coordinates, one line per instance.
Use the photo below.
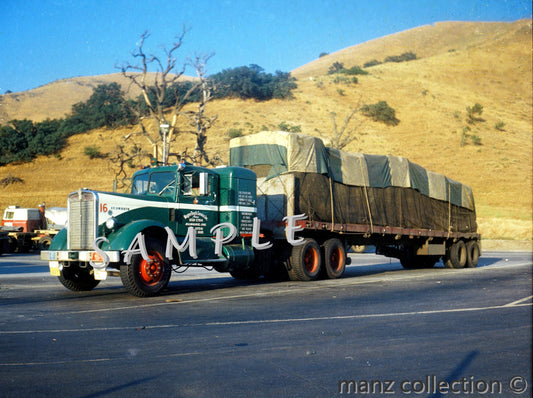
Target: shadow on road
(18, 264)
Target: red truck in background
(25, 229)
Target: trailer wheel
(77, 279)
(457, 255)
(147, 278)
(305, 261)
(13, 245)
(44, 243)
(334, 258)
(357, 248)
(473, 253)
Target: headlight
(111, 223)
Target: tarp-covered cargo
(298, 174)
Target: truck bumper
(55, 258)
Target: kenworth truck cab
(168, 220)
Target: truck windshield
(157, 183)
(163, 184)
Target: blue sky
(46, 40)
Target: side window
(162, 184)
(194, 184)
(189, 184)
(140, 184)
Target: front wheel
(145, 278)
(305, 261)
(77, 279)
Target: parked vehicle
(25, 229)
(286, 206)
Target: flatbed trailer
(401, 209)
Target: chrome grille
(81, 220)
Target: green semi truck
(287, 206)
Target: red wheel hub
(311, 260)
(336, 259)
(151, 271)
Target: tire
(147, 278)
(77, 279)
(305, 261)
(13, 245)
(457, 255)
(334, 258)
(473, 253)
(357, 248)
(44, 243)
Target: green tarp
(271, 153)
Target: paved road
(378, 331)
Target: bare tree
(124, 157)
(340, 138)
(198, 120)
(161, 135)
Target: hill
(458, 65)
(55, 100)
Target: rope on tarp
(365, 183)
(332, 204)
(449, 214)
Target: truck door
(197, 202)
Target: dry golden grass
(459, 64)
(55, 100)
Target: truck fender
(59, 242)
(121, 239)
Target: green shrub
(407, 56)
(345, 79)
(467, 138)
(474, 113)
(499, 126)
(234, 133)
(371, 63)
(335, 68)
(354, 70)
(93, 152)
(381, 112)
(284, 126)
(251, 82)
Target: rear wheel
(76, 278)
(145, 278)
(305, 261)
(473, 252)
(334, 258)
(456, 256)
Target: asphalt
(380, 330)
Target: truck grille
(81, 220)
